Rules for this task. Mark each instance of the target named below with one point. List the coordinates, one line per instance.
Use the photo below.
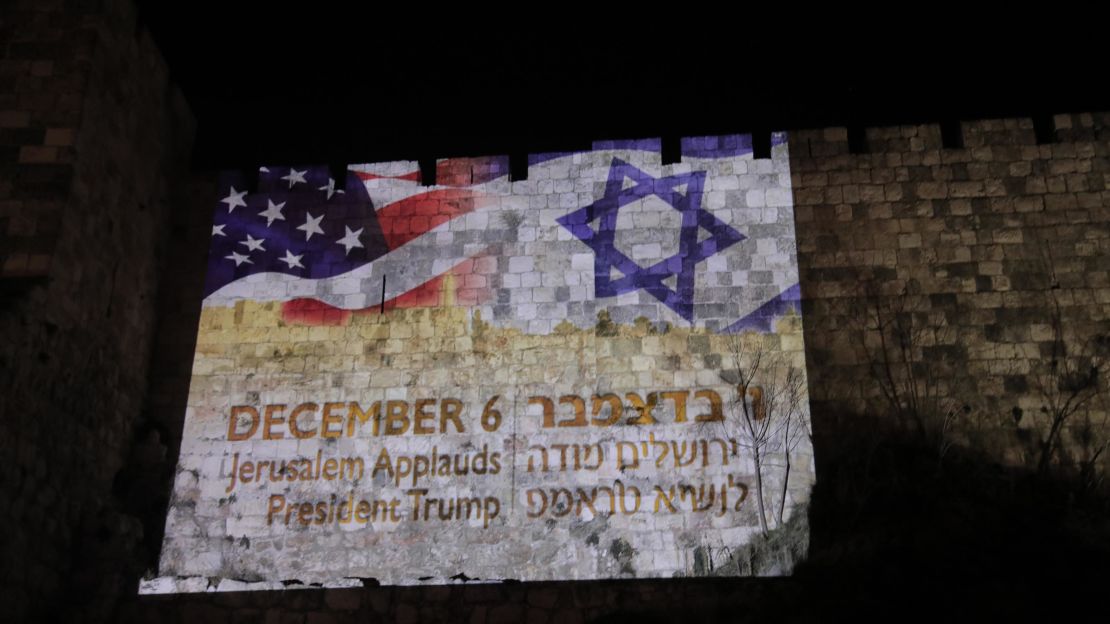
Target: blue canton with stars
(298, 223)
(683, 193)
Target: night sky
(315, 82)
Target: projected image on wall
(596, 372)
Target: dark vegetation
(895, 531)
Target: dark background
(894, 530)
(322, 82)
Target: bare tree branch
(769, 406)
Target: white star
(218, 230)
(234, 199)
(350, 240)
(253, 243)
(295, 177)
(330, 188)
(291, 260)
(239, 258)
(273, 212)
(311, 225)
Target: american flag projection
(301, 225)
(595, 372)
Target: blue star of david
(682, 265)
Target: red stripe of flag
(471, 288)
(409, 218)
(411, 177)
(455, 172)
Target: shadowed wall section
(95, 143)
(995, 257)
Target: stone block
(14, 118)
(37, 154)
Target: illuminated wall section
(485, 379)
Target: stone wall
(971, 241)
(996, 254)
(101, 284)
(478, 297)
(95, 141)
(48, 56)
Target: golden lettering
(579, 404)
(548, 409)
(679, 398)
(643, 407)
(716, 410)
(270, 421)
(616, 408)
(297, 431)
(241, 410)
(355, 413)
(396, 418)
(450, 410)
(330, 419)
(420, 416)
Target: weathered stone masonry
(91, 164)
(525, 328)
(961, 228)
(982, 239)
(94, 139)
